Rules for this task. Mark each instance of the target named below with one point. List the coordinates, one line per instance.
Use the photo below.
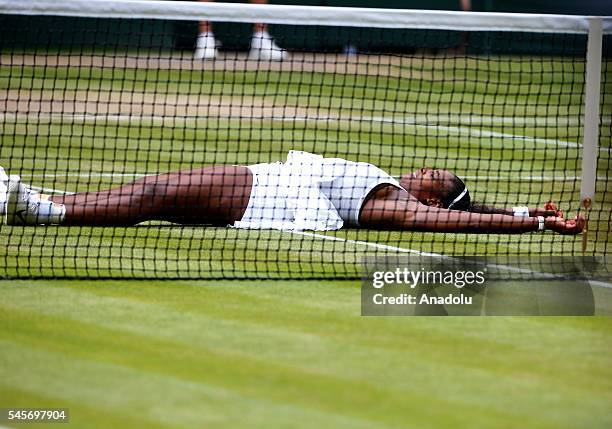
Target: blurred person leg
(263, 46)
(206, 45)
(466, 6)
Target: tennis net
(97, 94)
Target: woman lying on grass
(305, 192)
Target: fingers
(551, 209)
(566, 226)
(574, 226)
(580, 222)
(551, 206)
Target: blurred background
(179, 36)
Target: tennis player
(307, 192)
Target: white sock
(50, 213)
(206, 40)
(261, 35)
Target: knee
(159, 185)
(172, 195)
(151, 196)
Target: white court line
(426, 119)
(471, 132)
(367, 243)
(50, 190)
(437, 255)
(453, 131)
(533, 178)
(600, 284)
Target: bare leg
(259, 27)
(206, 45)
(206, 195)
(205, 26)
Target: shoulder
(387, 206)
(388, 192)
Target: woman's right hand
(565, 226)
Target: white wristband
(521, 211)
(540, 223)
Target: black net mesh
(88, 106)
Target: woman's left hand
(550, 210)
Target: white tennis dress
(310, 192)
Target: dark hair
(457, 189)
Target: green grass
(290, 354)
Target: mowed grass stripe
(201, 370)
(324, 308)
(94, 416)
(296, 86)
(130, 389)
(375, 360)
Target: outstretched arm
(549, 209)
(400, 211)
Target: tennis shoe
(263, 47)
(22, 204)
(206, 47)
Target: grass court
(289, 353)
